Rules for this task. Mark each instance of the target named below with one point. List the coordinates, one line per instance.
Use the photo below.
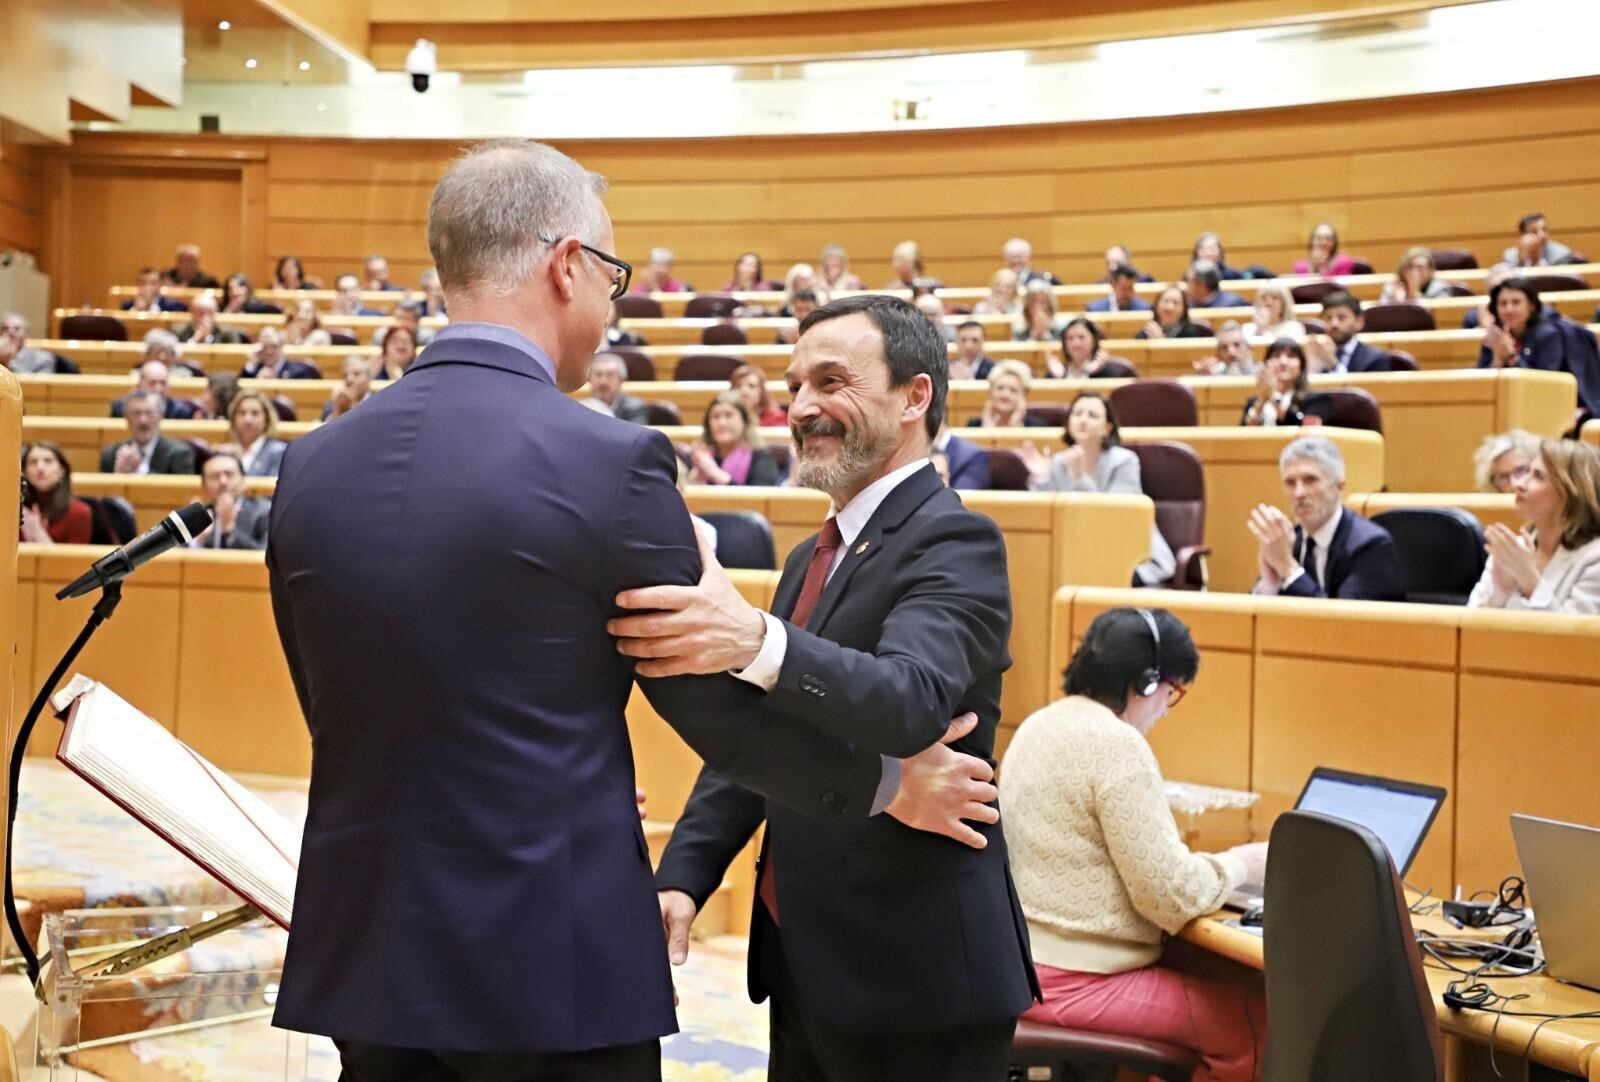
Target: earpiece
(1150, 679)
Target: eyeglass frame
(1512, 475)
(1175, 694)
(619, 286)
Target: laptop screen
(1397, 812)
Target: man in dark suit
(1328, 550)
(606, 373)
(969, 361)
(1122, 298)
(1018, 255)
(887, 954)
(155, 376)
(147, 295)
(474, 895)
(968, 463)
(1344, 352)
(268, 362)
(146, 450)
(238, 521)
(1203, 284)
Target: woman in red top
(1322, 254)
(751, 384)
(55, 517)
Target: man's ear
(919, 397)
(562, 269)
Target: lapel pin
(862, 547)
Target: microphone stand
(110, 597)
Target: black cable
(109, 599)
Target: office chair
(744, 539)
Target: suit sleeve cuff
(1294, 576)
(888, 785)
(763, 671)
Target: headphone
(1150, 679)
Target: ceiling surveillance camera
(422, 62)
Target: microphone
(178, 528)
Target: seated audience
(347, 298)
(801, 304)
(909, 271)
(1102, 872)
(836, 275)
(302, 324)
(1007, 404)
(241, 297)
(238, 521)
(1172, 317)
(397, 349)
(1081, 355)
(1326, 551)
(1282, 393)
(748, 276)
(375, 270)
(1202, 282)
(1534, 248)
(1004, 297)
(1341, 350)
(966, 465)
(1414, 279)
(407, 314)
(202, 329)
(1233, 356)
(185, 271)
(1554, 564)
(1479, 316)
(291, 274)
(1322, 254)
(931, 306)
(219, 394)
(1118, 256)
(15, 353)
(154, 376)
(1208, 248)
(253, 428)
(1017, 254)
(616, 336)
(801, 278)
(147, 295)
(969, 361)
(731, 451)
(1498, 459)
(1039, 322)
(1522, 333)
(146, 450)
(1096, 461)
(607, 372)
(1274, 315)
(355, 387)
(750, 383)
(162, 345)
(268, 362)
(1124, 279)
(656, 275)
(54, 516)
(432, 303)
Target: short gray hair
(1493, 447)
(661, 255)
(18, 316)
(1324, 452)
(491, 212)
(612, 359)
(161, 339)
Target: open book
(162, 782)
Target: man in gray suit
(606, 373)
(146, 450)
(238, 521)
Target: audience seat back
(1441, 549)
(1454, 259)
(336, 338)
(1313, 292)
(1459, 289)
(1557, 283)
(1346, 997)
(662, 413)
(710, 306)
(1360, 266)
(284, 408)
(111, 520)
(1116, 368)
(724, 334)
(1155, 403)
(1172, 476)
(717, 367)
(1050, 415)
(1007, 471)
(94, 328)
(744, 540)
(1405, 316)
(641, 368)
(1401, 361)
(1351, 407)
(66, 366)
(638, 306)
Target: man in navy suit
(1347, 353)
(147, 295)
(888, 955)
(967, 463)
(1203, 283)
(1328, 550)
(1122, 298)
(475, 897)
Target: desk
(1573, 1047)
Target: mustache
(817, 426)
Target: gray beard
(857, 459)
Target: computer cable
(1512, 955)
(1480, 997)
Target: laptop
(1561, 866)
(1398, 812)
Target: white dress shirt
(248, 456)
(147, 451)
(1269, 584)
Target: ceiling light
(250, 63)
(224, 25)
(305, 65)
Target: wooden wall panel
(21, 199)
(1431, 170)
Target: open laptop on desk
(1561, 865)
(1398, 812)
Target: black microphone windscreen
(195, 518)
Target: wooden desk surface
(1570, 1046)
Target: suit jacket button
(812, 685)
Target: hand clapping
(1514, 567)
(1274, 535)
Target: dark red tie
(828, 542)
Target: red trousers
(1223, 1023)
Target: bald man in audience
(154, 377)
(16, 354)
(355, 387)
(932, 307)
(606, 373)
(146, 450)
(1018, 254)
(185, 270)
(238, 521)
(202, 329)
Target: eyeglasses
(619, 281)
(1175, 694)
(1510, 477)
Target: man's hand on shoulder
(940, 787)
(703, 629)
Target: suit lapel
(864, 548)
(1338, 555)
(789, 585)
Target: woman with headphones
(1103, 874)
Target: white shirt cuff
(1293, 577)
(763, 671)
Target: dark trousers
(807, 1049)
(379, 1063)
